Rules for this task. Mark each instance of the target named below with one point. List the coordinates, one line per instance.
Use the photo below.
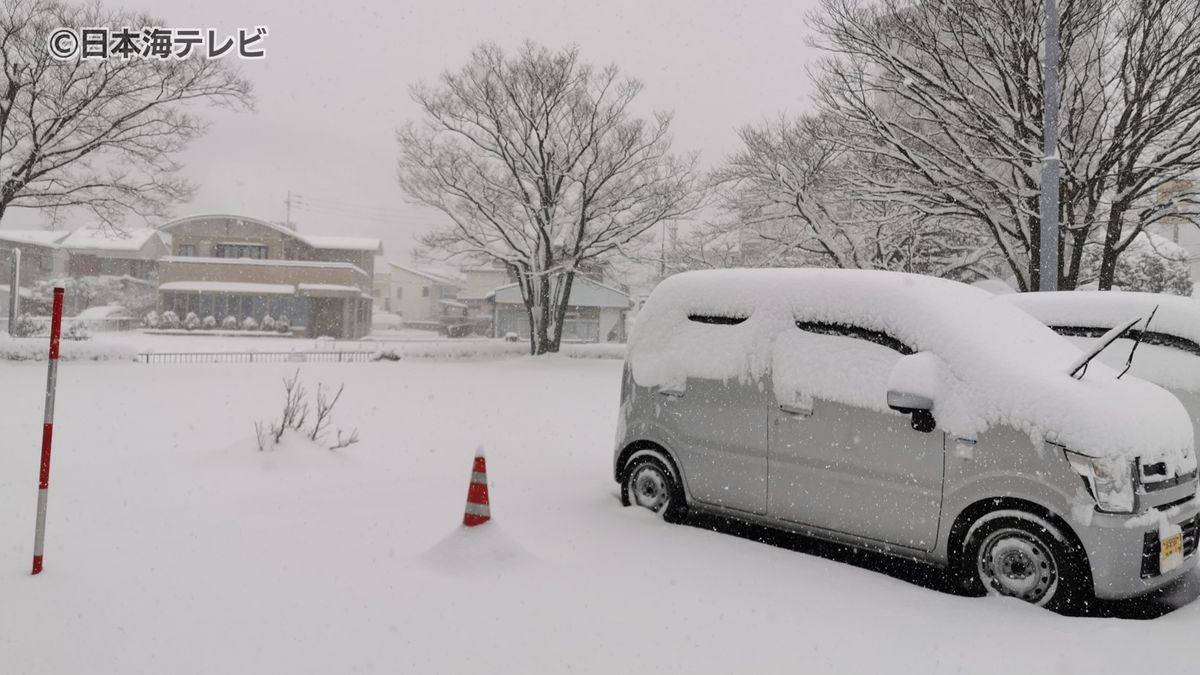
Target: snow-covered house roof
(46, 238)
(323, 242)
(119, 242)
(341, 243)
(584, 293)
(436, 276)
(995, 364)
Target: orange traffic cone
(477, 511)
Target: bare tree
(97, 134)
(539, 163)
(948, 95)
(789, 197)
(1154, 126)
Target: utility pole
(14, 291)
(287, 218)
(1048, 241)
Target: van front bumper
(1124, 558)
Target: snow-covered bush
(249, 323)
(268, 323)
(229, 323)
(191, 321)
(150, 320)
(136, 295)
(1151, 264)
(77, 331)
(282, 325)
(26, 326)
(169, 320)
(295, 415)
(209, 322)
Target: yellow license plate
(1172, 545)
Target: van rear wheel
(648, 483)
(1022, 556)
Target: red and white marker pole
(39, 536)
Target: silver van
(911, 415)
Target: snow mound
(38, 349)
(295, 453)
(995, 364)
(482, 549)
(994, 286)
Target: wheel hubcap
(649, 488)
(1018, 564)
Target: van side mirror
(912, 385)
(920, 407)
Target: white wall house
(419, 295)
(595, 313)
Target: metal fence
(359, 356)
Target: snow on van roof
(1002, 366)
(1177, 315)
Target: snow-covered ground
(175, 546)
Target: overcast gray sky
(333, 89)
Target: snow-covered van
(912, 415)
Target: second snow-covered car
(912, 415)
(1167, 351)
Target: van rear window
(717, 319)
(845, 330)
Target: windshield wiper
(1145, 329)
(1079, 368)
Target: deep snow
(174, 546)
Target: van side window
(1149, 338)
(716, 319)
(846, 330)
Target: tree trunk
(560, 311)
(541, 313)
(1034, 269)
(1108, 257)
(1071, 279)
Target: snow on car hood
(1000, 365)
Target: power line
(320, 202)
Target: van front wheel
(1023, 556)
(648, 483)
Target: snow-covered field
(175, 546)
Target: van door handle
(795, 410)
(672, 393)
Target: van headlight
(1110, 480)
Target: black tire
(648, 482)
(1024, 556)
